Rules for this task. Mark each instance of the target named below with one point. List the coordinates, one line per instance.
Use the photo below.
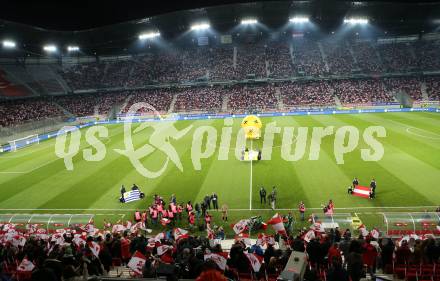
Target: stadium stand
(361, 91)
(200, 99)
(159, 99)
(312, 94)
(433, 88)
(280, 61)
(409, 86)
(252, 98)
(251, 61)
(307, 58)
(19, 111)
(80, 251)
(339, 57)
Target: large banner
(132, 195)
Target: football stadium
(234, 140)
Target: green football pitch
(35, 179)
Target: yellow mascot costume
(251, 125)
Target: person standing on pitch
(274, 193)
(302, 210)
(122, 191)
(272, 200)
(262, 195)
(207, 201)
(224, 212)
(214, 200)
(355, 183)
(373, 188)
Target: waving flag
(137, 262)
(277, 223)
(79, 239)
(309, 235)
(163, 248)
(26, 265)
(375, 233)
(132, 195)
(164, 221)
(180, 233)
(255, 261)
(135, 227)
(95, 248)
(118, 228)
(240, 226)
(57, 238)
(41, 233)
(243, 237)
(159, 237)
(265, 239)
(361, 191)
(18, 240)
(218, 258)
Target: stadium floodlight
(72, 48)
(356, 21)
(200, 26)
(249, 21)
(299, 19)
(148, 35)
(50, 48)
(8, 44)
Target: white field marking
(41, 146)
(130, 210)
(250, 182)
(44, 164)
(408, 127)
(408, 130)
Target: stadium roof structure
(394, 17)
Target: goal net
(24, 142)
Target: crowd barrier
(176, 117)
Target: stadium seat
(399, 271)
(427, 269)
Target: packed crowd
(252, 98)
(84, 75)
(433, 88)
(251, 61)
(91, 104)
(278, 59)
(427, 54)
(367, 57)
(200, 99)
(339, 58)
(361, 91)
(159, 100)
(307, 58)
(410, 86)
(237, 98)
(307, 94)
(76, 252)
(398, 56)
(18, 111)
